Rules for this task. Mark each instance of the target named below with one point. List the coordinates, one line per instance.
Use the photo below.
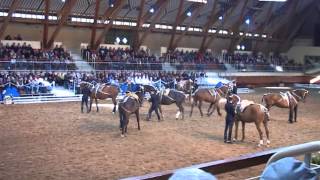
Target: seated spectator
(288, 168)
(191, 174)
(18, 37)
(8, 37)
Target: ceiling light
(189, 13)
(151, 10)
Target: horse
(168, 97)
(101, 91)
(250, 113)
(127, 106)
(289, 100)
(212, 96)
(186, 86)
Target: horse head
(224, 90)
(301, 94)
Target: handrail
(296, 150)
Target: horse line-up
(246, 111)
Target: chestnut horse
(252, 113)
(289, 100)
(127, 106)
(211, 96)
(101, 91)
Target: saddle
(99, 87)
(285, 96)
(133, 95)
(243, 105)
(165, 93)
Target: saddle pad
(212, 92)
(244, 104)
(166, 92)
(285, 97)
(131, 95)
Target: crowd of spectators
(22, 57)
(41, 82)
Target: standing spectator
(85, 96)
(230, 110)
(234, 88)
(8, 37)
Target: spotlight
(243, 47)
(220, 18)
(124, 40)
(248, 21)
(118, 40)
(189, 13)
(151, 10)
(63, 1)
(238, 47)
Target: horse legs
(290, 114)
(114, 105)
(265, 123)
(260, 133)
(209, 113)
(236, 130)
(243, 130)
(192, 105)
(295, 113)
(160, 110)
(181, 110)
(138, 118)
(97, 104)
(91, 101)
(199, 106)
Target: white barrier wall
(115, 46)
(299, 52)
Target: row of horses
(252, 113)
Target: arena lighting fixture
(111, 4)
(220, 17)
(124, 40)
(248, 21)
(63, 1)
(151, 10)
(238, 47)
(118, 40)
(243, 47)
(189, 13)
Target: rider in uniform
(230, 110)
(85, 96)
(155, 103)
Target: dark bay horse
(101, 91)
(290, 100)
(130, 104)
(168, 97)
(250, 113)
(185, 86)
(211, 96)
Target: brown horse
(185, 86)
(289, 100)
(252, 113)
(101, 91)
(127, 106)
(211, 96)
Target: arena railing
(245, 161)
(116, 65)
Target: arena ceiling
(265, 17)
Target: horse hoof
(122, 135)
(177, 118)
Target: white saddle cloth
(166, 92)
(285, 97)
(244, 104)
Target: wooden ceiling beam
(139, 25)
(158, 14)
(212, 18)
(63, 17)
(227, 15)
(94, 26)
(111, 12)
(179, 19)
(193, 18)
(12, 8)
(45, 24)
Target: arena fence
(245, 161)
(45, 99)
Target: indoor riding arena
(159, 89)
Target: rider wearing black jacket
(155, 104)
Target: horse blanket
(285, 97)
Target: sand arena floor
(56, 141)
